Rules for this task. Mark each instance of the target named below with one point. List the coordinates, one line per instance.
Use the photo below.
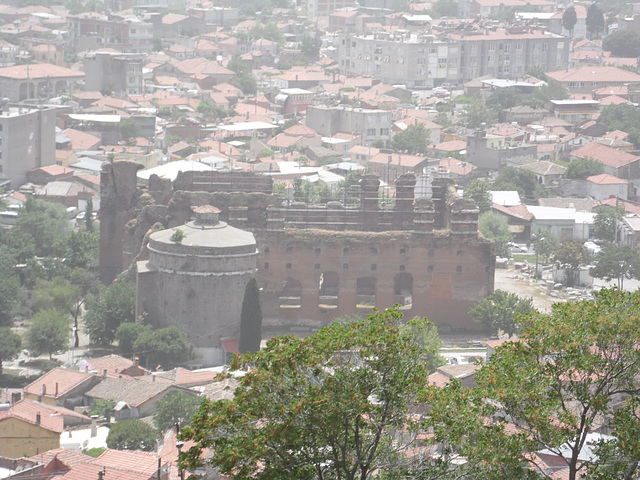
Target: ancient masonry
(313, 263)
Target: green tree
(41, 230)
(88, 216)
(595, 21)
(128, 128)
(48, 333)
(605, 223)
(623, 43)
(9, 287)
(572, 368)
(413, 139)
(247, 83)
(127, 334)
(165, 346)
(546, 244)
(501, 311)
(552, 90)
(618, 261)
(569, 19)
(239, 66)
(250, 319)
(177, 407)
(572, 256)
(496, 228)
(132, 435)
(10, 344)
(446, 8)
(310, 46)
(503, 98)
(325, 406)
(114, 305)
(58, 294)
(425, 336)
(478, 191)
(478, 113)
(581, 168)
(519, 179)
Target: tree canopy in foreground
(325, 406)
(572, 372)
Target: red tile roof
(65, 380)
(602, 75)
(606, 179)
(38, 71)
(607, 155)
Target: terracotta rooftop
(606, 179)
(607, 155)
(60, 379)
(38, 71)
(602, 75)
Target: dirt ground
(511, 280)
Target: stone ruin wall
(320, 262)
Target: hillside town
(319, 239)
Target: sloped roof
(607, 155)
(602, 75)
(65, 380)
(132, 391)
(606, 179)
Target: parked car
(516, 248)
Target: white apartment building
(407, 58)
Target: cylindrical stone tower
(195, 279)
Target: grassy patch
(521, 257)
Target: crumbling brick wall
(319, 262)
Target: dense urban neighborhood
(322, 239)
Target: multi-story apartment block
(91, 31)
(120, 72)
(414, 60)
(420, 60)
(508, 53)
(323, 8)
(27, 141)
(370, 125)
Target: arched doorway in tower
(291, 293)
(403, 290)
(328, 288)
(366, 292)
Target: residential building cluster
(322, 148)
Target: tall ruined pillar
(440, 188)
(369, 185)
(423, 216)
(403, 209)
(118, 194)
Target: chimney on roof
(38, 418)
(136, 362)
(104, 373)
(153, 379)
(44, 389)
(56, 389)
(94, 425)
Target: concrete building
(197, 283)
(420, 60)
(411, 59)
(324, 8)
(39, 81)
(27, 141)
(120, 72)
(370, 125)
(490, 152)
(508, 53)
